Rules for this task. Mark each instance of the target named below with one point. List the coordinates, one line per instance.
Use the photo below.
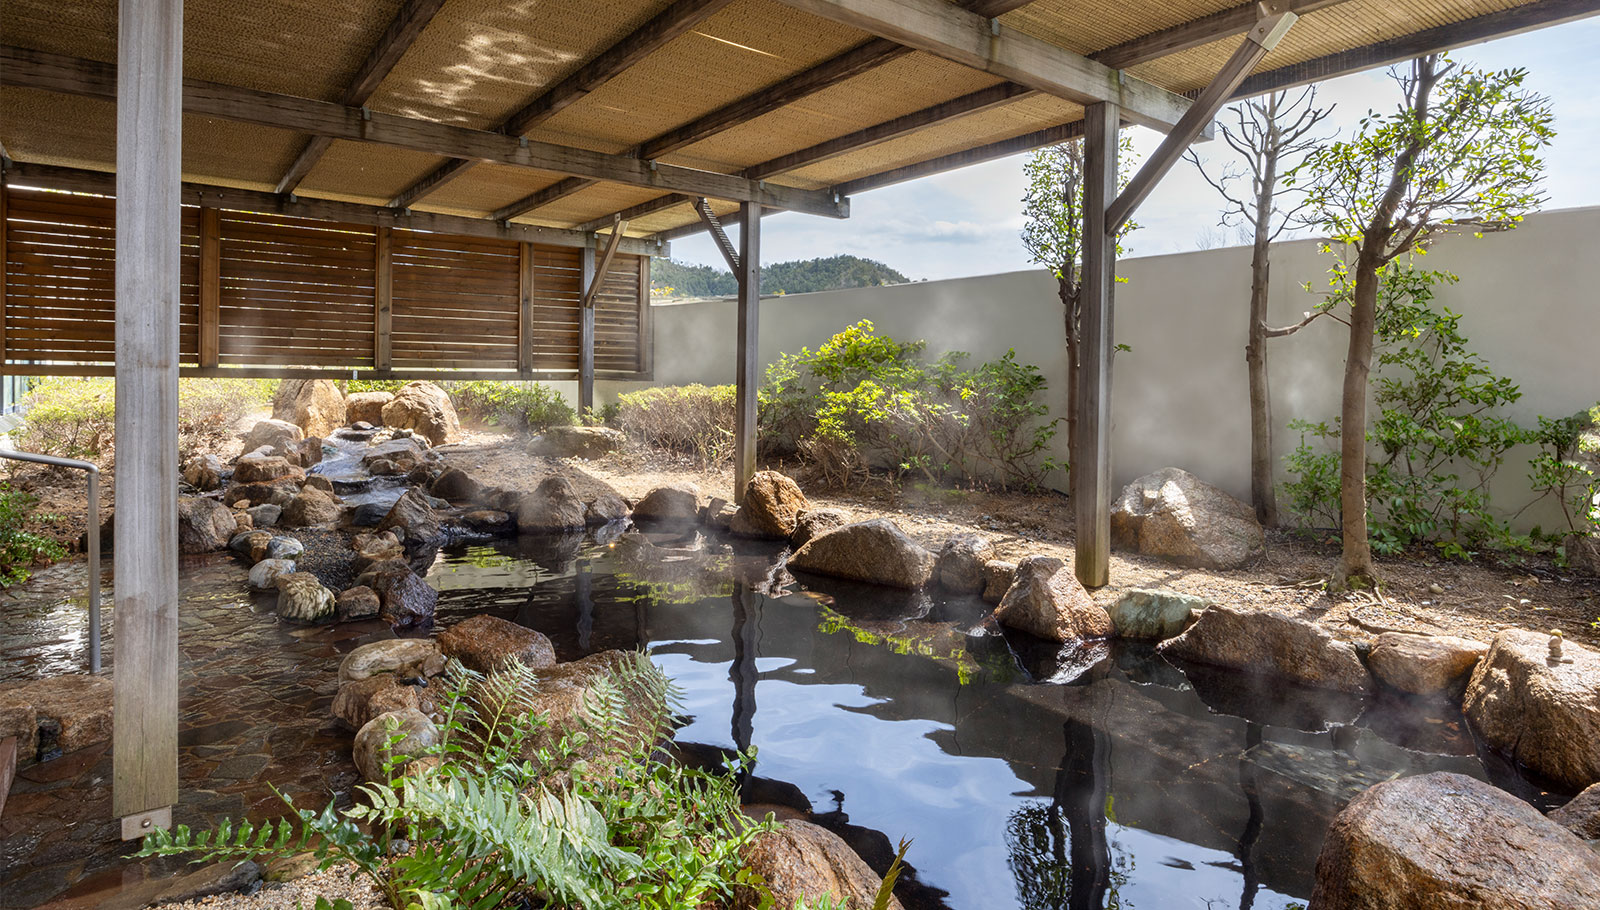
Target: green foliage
(20, 548)
(863, 400)
(1052, 206)
(1439, 438)
(831, 273)
(1560, 470)
(880, 899)
(525, 406)
(494, 822)
(75, 417)
(694, 420)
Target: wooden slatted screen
(297, 294)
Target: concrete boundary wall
(1528, 299)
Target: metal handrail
(94, 538)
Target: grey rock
(1154, 615)
(1176, 516)
(264, 575)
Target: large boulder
(960, 565)
(204, 525)
(815, 523)
(366, 407)
(1154, 615)
(1176, 516)
(800, 863)
(875, 551)
(486, 643)
(257, 468)
(1260, 641)
(456, 485)
(316, 406)
(576, 442)
(399, 656)
(1543, 711)
(273, 434)
(1047, 600)
(771, 508)
(360, 700)
(1581, 814)
(55, 714)
(675, 503)
(412, 519)
(553, 506)
(1424, 664)
(302, 598)
(425, 409)
(405, 600)
(311, 508)
(1448, 842)
(392, 738)
(998, 574)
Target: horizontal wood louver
(299, 296)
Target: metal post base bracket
(137, 826)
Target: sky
(967, 222)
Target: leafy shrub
(1561, 469)
(20, 548)
(489, 830)
(1438, 440)
(865, 400)
(209, 409)
(75, 417)
(527, 406)
(694, 420)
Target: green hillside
(679, 279)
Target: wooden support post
(586, 334)
(149, 239)
(647, 326)
(210, 287)
(383, 300)
(525, 276)
(747, 361)
(3, 192)
(8, 768)
(1091, 473)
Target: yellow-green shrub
(694, 420)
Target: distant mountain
(679, 279)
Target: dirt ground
(1420, 593)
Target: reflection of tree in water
(1040, 859)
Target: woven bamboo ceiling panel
(476, 63)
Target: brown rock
(360, 602)
(366, 407)
(874, 551)
(961, 560)
(314, 405)
(1544, 713)
(312, 508)
(486, 643)
(490, 521)
(718, 513)
(265, 469)
(678, 502)
(412, 519)
(277, 493)
(605, 508)
(816, 522)
(1581, 815)
(424, 408)
(1047, 600)
(800, 862)
(576, 442)
(252, 546)
(998, 575)
(388, 656)
(1261, 641)
(204, 525)
(771, 509)
(78, 706)
(302, 598)
(19, 719)
(376, 744)
(1448, 842)
(319, 482)
(1423, 664)
(456, 485)
(1181, 518)
(203, 472)
(553, 506)
(406, 601)
(395, 456)
(360, 700)
(274, 434)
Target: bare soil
(1421, 592)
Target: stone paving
(254, 695)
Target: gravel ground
(301, 894)
(1420, 593)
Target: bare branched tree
(1270, 135)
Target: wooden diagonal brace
(703, 209)
(600, 271)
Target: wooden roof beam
(58, 73)
(413, 17)
(836, 69)
(1197, 32)
(671, 22)
(964, 37)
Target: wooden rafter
(79, 181)
(836, 69)
(944, 30)
(1197, 32)
(54, 72)
(413, 17)
(671, 22)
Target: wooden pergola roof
(569, 114)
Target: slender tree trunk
(1069, 307)
(1262, 492)
(1355, 562)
